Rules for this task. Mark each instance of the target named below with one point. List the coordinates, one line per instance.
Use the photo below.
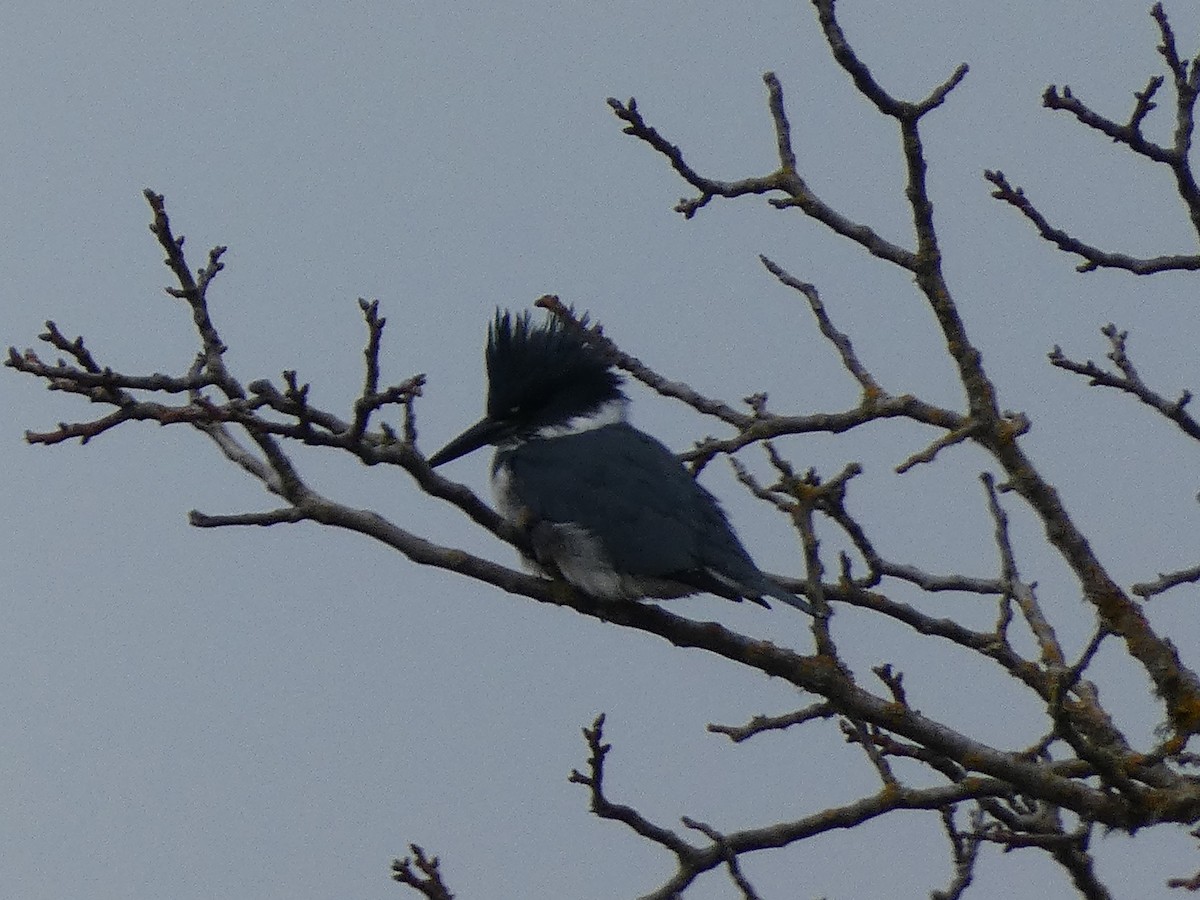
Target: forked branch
(1185, 82)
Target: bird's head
(543, 380)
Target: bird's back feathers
(615, 485)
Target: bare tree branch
(1127, 379)
(839, 339)
(1163, 583)
(1186, 84)
(759, 724)
(964, 852)
(427, 879)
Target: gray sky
(276, 713)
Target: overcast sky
(276, 713)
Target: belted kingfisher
(604, 505)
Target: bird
(602, 504)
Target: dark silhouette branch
(694, 861)
(964, 852)
(839, 339)
(759, 724)
(1185, 80)
(423, 873)
(1094, 258)
(1163, 583)
(1127, 379)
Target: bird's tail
(771, 589)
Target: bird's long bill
(485, 431)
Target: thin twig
(1128, 379)
(759, 724)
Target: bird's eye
(514, 409)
